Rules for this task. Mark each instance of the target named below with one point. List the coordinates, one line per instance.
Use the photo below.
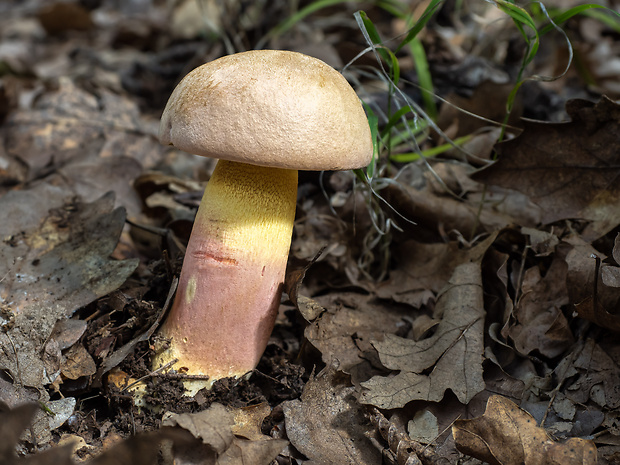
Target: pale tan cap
(271, 108)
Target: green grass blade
(606, 18)
(395, 119)
(566, 15)
(299, 16)
(413, 156)
(424, 77)
(522, 18)
(396, 8)
(372, 37)
(419, 25)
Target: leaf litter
(507, 435)
(453, 354)
(504, 281)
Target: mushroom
(264, 114)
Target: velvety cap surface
(271, 108)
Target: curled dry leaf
(77, 362)
(248, 421)
(309, 308)
(610, 274)
(454, 352)
(543, 243)
(507, 435)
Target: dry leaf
(328, 425)
(406, 448)
(308, 307)
(596, 375)
(540, 324)
(569, 169)
(211, 426)
(77, 362)
(437, 214)
(595, 297)
(261, 452)
(68, 332)
(57, 263)
(64, 16)
(72, 126)
(217, 443)
(543, 243)
(488, 101)
(344, 331)
(507, 435)
(420, 271)
(248, 421)
(454, 352)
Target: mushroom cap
(271, 108)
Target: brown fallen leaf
(454, 352)
(68, 332)
(487, 101)
(13, 423)
(610, 274)
(507, 435)
(539, 323)
(140, 449)
(77, 362)
(591, 284)
(595, 375)
(543, 243)
(328, 425)
(248, 421)
(216, 443)
(260, 452)
(421, 270)
(435, 214)
(211, 426)
(569, 169)
(309, 308)
(348, 325)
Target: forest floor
(460, 301)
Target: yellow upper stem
(249, 209)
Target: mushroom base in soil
(264, 114)
(231, 282)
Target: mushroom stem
(231, 281)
